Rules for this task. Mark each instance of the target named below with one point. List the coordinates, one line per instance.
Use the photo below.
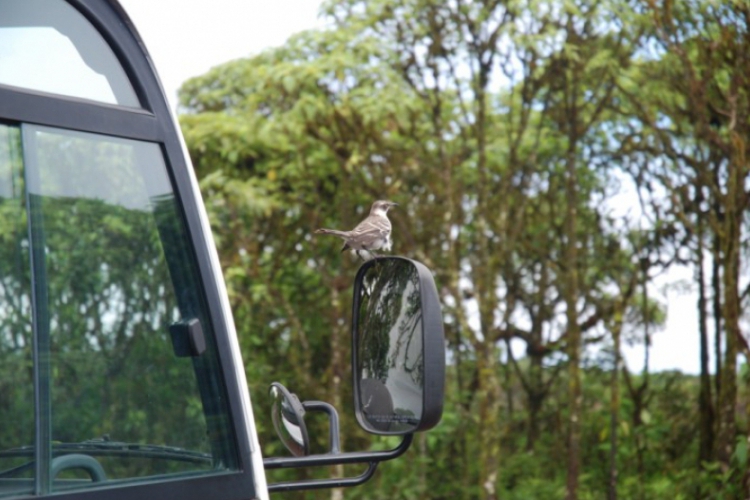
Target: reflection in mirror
(288, 418)
(389, 351)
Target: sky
(186, 38)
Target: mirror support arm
(372, 458)
(325, 483)
(334, 445)
(354, 457)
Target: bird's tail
(340, 234)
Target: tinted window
(16, 361)
(128, 380)
(47, 45)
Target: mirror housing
(398, 351)
(288, 417)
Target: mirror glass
(388, 350)
(288, 417)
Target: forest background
(512, 134)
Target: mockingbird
(371, 234)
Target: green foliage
(475, 117)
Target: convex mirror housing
(398, 351)
(288, 416)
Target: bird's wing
(367, 240)
(377, 227)
(370, 233)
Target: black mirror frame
(433, 342)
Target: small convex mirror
(288, 418)
(398, 353)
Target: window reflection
(112, 275)
(16, 375)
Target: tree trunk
(337, 372)
(535, 399)
(573, 329)
(705, 398)
(637, 396)
(716, 288)
(614, 408)
(730, 238)
(489, 428)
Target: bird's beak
(394, 204)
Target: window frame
(154, 122)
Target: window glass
(49, 46)
(122, 392)
(16, 368)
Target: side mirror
(398, 352)
(398, 361)
(288, 416)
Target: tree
(693, 105)
(495, 125)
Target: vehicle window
(49, 46)
(16, 359)
(122, 393)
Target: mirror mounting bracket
(289, 412)
(372, 458)
(325, 483)
(334, 445)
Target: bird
(373, 233)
